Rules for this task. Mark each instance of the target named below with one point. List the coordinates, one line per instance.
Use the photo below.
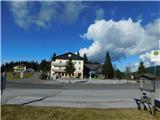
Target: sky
(35, 30)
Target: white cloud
(19, 11)
(154, 28)
(121, 38)
(71, 11)
(43, 13)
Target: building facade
(59, 63)
(19, 68)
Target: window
(79, 62)
(79, 68)
(60, 61)
(74, 62)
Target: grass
(16, 75)
(13, 112)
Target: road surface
(72, 95)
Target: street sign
(155, 55)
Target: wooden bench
(157, 105)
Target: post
(152, 104)
(155, 70)
(3, 82)
(141, 92)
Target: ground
(37, 99)
(16, 75)
(54, 113)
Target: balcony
(59, 64)
(58, 70)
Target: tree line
(108, 70)
(44, 65)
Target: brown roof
(148, 76)
(73, 56)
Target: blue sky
(35, 30)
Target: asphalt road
(83, 95)
(83, 86)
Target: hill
(151, 70)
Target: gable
(66, 56)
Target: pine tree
(107, 67)
(70, 67)
(45, 65)
(119, 74)
(141, 68)
(85, 58)
(53, 57)
(78, 54)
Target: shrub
(44, 76)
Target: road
(72, 95)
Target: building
(93, 70)
(19, 68)
(59, 63)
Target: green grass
(9, 112)
(16, 75)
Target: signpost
(155, 58)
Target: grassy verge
(16, 75)
(54, 113)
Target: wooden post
(141, 105)
(141, 93)
(152, 104)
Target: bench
(157, 104)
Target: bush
(44, 76)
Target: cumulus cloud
(153, 28)
(121, 38)
(43, 13)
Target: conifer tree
(53, 57)
(107, 70)
(141, 68)
(85, 58)
(70, 67)
(78, 54)
(119, 74)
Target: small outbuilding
(148, 89)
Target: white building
(60, 62)
(19, 68)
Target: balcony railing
(59, 70)
(59, 64)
